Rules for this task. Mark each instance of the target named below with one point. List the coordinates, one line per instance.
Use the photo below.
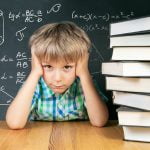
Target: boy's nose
(57, 76)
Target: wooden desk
(66, 136)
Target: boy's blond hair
(57, 41)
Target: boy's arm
(18, 112)
(96, 108)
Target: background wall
(19, 18)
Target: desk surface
(66, 136)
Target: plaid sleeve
(36, 96)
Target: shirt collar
(73, 88)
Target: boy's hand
(36, 65)
(82, 66)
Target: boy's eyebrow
(44, 63)
(70, 64)
(65, 64)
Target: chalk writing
(22, 63)
(56, 8)
(2, 27)
(20, 34)
(106, 17)
(21, 60)
(98, 52)
(13, 16)
(5, 76)
(20, 77)
(10, 97)
(93, 27)
(5, 59)
(31, 16)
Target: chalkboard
(19, 18)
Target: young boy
(59, 86)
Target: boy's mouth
(57, 86)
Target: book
(130, 26)
(130, 40)
(129, 69)
(133, 117)
(128, 84)
(131, 53)
(135, 100)
(140, 134)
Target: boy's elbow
(99, 122)
(14, 124)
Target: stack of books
(128, 76)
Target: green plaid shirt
(46, 105)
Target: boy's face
(59, 75)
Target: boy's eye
(47, 66)
(67, 68)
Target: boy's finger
(33, 50)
